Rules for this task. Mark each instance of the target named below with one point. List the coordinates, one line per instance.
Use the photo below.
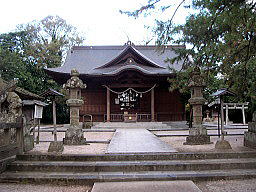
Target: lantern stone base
(250, 139)
(197, 140)
(56, 146)
(74, 136)
(197, 136)
(250, 135)
(222, 144)
(28, 142)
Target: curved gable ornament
(129, 67)
(129, 43)
(130, 61)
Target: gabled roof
(223, 91)
(50, 92)
(24, 94)
(129, 50)
(34, 102)
(110, 60)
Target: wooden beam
(54, 118)
(236, 107)
(130, 85)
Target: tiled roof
(22, 92)
(223, 91)
(99, 60)
(51, 92)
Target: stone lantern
(197, 133)
(250, 135)
(74, 134)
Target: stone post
(74, 134)
(197, 133)
(250, 135)
(55, 146)
(227, 120)
(243, 114)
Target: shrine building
(124, 83)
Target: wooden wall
(168, 106)
(94, 103)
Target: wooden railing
(120, 117)
(144, 117)
(115, 117)
(11, 141)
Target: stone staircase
(118, 125)
(130, 167)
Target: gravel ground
(99, 148)
(177, 143)
(92, 148)
(90, 136)
(12, 187)
(245, 185)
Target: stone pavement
(137, 141)
(211, 132)
(147, 186)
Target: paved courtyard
(137, 141)
(132, 140)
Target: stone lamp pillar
(74, 134)
(197, 133)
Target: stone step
(146, 125)
(91, 177)
(133, 166)
(138, 156)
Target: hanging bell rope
(121, 92)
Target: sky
(98, 20)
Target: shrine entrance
(130, 104)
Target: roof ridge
(119, 55)
(93, 47)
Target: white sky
(99, 20)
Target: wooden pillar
(54, 119)
(20, 135)
(222, 118)
(243, 114)
(108, 105)
(153, 104)
(227, 120)
(38, 132)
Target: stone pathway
(137, 141)
(146, 186)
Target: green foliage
(16, 63)
(50, 39)
(34, 46)
(222, 36)
(62, 111)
